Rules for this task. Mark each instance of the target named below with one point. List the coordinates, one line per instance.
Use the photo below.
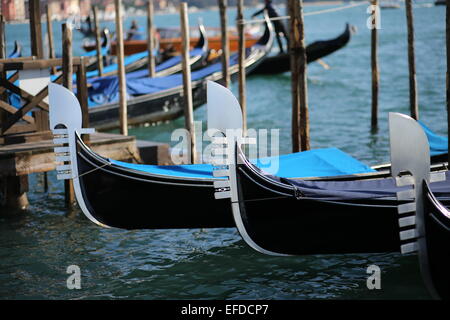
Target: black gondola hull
(127, 199)
(437, 239)
(287, 225)
(281, 63)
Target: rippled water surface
(36, 247)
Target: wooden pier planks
(32, 157)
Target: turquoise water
(36, 247)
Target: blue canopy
(313, 163)
(114, 67)
(438, 144)
(106, 90)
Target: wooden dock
(38, 156)
(18, 160)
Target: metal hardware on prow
(407, 210)
(63, 154)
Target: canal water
(37, 246)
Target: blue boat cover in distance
(114, 67)
(106, 89)
(160, 67)
(312, 163)
(438, 144)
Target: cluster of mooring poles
(300, 117)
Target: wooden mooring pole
(4, 96)
(14, 188)
(374, 65)
(225, 43)
(413, 99)
(2, 38)
(150, 39)
(241, 52)
(36, 29)
(187, 89)
(67, 69)
(447, 35)
(300, 115)
(51, 46)
(122, 80)
(82, 94)
(98, 44)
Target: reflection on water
(36, 247)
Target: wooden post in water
(4, 96)
(300, 116)
(82, 94)
(36, 29)
(67, 66)
(2, 38)
(413, 100)
(98, 44)
(51, 47)
(187, 89)
(150, 39)
(225, 43)
(374, 64)
(447, 34)
(241, 33)
(122, 80)
(67, 69)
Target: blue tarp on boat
(114, 67)
(438, 144)
(106, 89)
(313, 163)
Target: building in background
(13, 10)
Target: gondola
(134, 64)
(17, 52)
(325, 215)
(316, 50)
(105, 188)
(160, 99)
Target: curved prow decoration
(410, 166)
(64, 108)
(268, 35)
(410, 159)
(203, 39)
(223, 111)
(409, 146)
(66, 125)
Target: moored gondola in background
(160, 99)
(17, 52)
(134, 64)
(314, 51)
